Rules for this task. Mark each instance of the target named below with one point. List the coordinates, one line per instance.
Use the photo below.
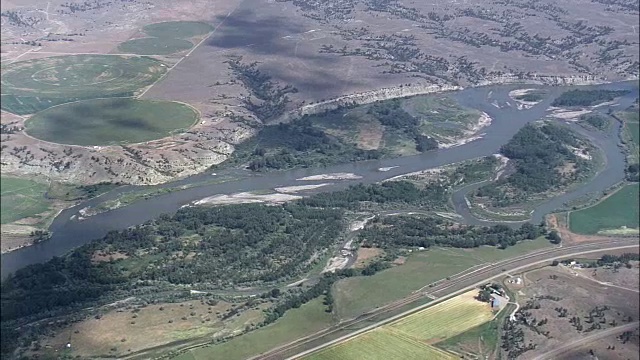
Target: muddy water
(507, 120)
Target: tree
(554, 237)
(555, 263)
(275, 292)
(484, 295)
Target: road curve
(553, 354)
(443, 290)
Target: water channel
(494, 100)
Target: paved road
(553, 354)
(441, 291)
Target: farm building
(495, 302)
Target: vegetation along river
(69, 233)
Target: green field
(354, 296)
(618, 210)
(154, 46)
(408, 337)
(441, 117)
(634, 132)
(177, 29)
(110, 121)
(305, 320)
(381, 344)
(445, 319)
(20, 198)
(34, 85)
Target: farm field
(34, 85)
(110, 121)
(381, 344)
(619, 210)
(354, 296)
(445, 319)
(305, 320)
(154, 46)
(21, 198)
(177, 29)
(409, 337)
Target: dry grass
(370, 136)
(152, 327)
(366, 255)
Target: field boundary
(446, 297)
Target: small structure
(518, 281)
(495, 302)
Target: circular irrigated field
(110, 121)
(154, 46)
(177, 29)
(30, 86)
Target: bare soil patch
(100, 256)
(366, 255)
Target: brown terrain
(359, 50)
(557, 307)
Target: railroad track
(438, 287)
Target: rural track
(467, 278)
(553, 354)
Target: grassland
(177, 29)
(621, 209)
(20, 198)
(110, 121)
(381, 344)
(354, 296)
(154, 46)
(408, 337)
(305, 320)
(34, 85)
(168, 322)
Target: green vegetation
(587, 97)
(539, 172)
(445, 319)
(532, 96)
(356, 295)
(619, 210)
(381, 344)
(177, 29)
(34, 85)
(110, 121)
(305, 320)
(631, 139)
(595, 120)
(21, 198)
(154, 46)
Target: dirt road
(553, 354)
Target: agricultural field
(409, 337)
(616, 214)
(165, 38)
(154, 46)
(381, 344)
(110, 121)
(305, 320)
(354, 296)
(21, 198)
(34, 85)
(446, 319)
(177, 29)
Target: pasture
(409, 337)
(305, 320)
(356, 295)
(177, 29)
(154, 46)
(110, 121)
(381, 344)
(21, 198)
(34, 85)
(618, 211)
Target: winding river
(494, 100)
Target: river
(507, 120)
